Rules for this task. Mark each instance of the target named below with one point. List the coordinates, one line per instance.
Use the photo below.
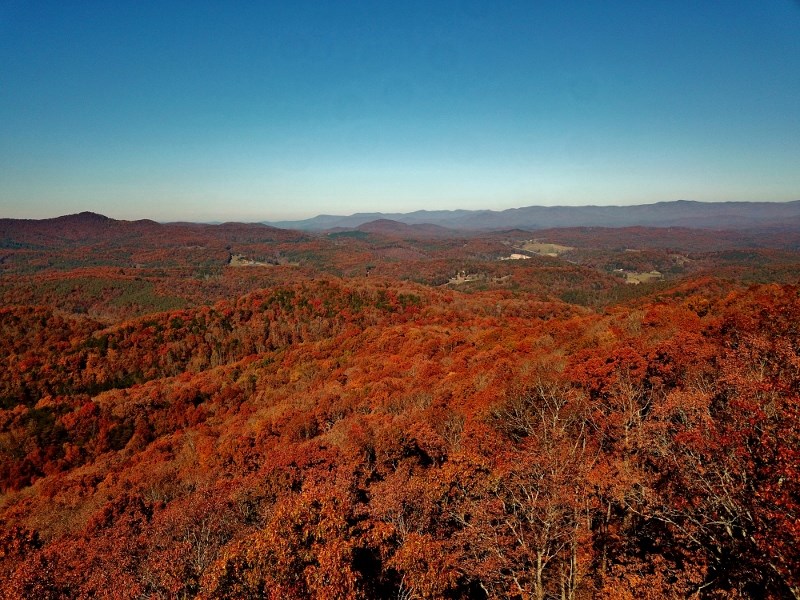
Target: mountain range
(679, 213)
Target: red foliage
(373, 438)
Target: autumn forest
(398, 412)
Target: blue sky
(265, 110)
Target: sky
(264, 110)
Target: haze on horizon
(206, 111)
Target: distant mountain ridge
(678, 213)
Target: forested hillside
(397, 413)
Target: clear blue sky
(265, 110)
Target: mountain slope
(680, 213)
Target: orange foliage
(293, 434)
